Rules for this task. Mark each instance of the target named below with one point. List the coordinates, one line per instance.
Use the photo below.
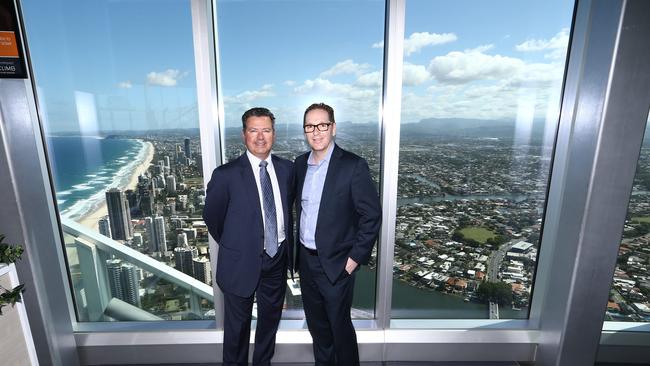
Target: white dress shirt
(279, 212)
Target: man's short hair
(323, 106)
(257, 112)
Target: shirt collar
(310, 160)
(255, 161)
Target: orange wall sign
(12, 59)
(8, 46)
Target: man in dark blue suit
(247, 211)
(339, 216)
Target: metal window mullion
(390, 133)
(206, 61)
(601, 129)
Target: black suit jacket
(349, 215)
(233, 215)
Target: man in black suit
(246, 210)
(339, 216)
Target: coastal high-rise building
(191, 233)
(151, 234)
(146, 204)
(130, 284)
(144, 184)
(105, 226)
(114, 271)
(132, 199)
(201, 269)
(119, 215)
(171, 184)
(199, 161)
(123, 281)
(181, 240)
(187, 148)
(183, 259)
(160, 181)
(161, 236)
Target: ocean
(84, 168)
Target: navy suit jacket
(349, 215)
(233, 215)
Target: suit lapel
(283, 178)
(250, 187)
(301, 172)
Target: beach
(92, 218)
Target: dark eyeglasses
(321, 127)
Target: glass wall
(117, 92)
(480, 105)
(629, 296)
(286, 55)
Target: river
(414, 303)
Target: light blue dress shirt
(312, 190)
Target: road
(494, 263)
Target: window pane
(286, 55)
(481, 91)
(629, 297)
(116, 88)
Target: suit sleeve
(368, 209)
(216, 204)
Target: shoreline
(91, 220)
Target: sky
(109, 65)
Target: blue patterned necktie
(271, 227)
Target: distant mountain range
(468, 127)
(458, 127)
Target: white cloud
(418, 40)
(289, 83)
(556, 46)
(168, 77)
(345, 67)
(482, 48)
(539, 73)
(476, 84)
(250, 95)
(371, 79)
(411, 75)
(324, 87)
(534, 89)
(414, 74)
(125, 84)
(473, 64)
(352, 102)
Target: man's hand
(351, 265)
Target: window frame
(581, 153)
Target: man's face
(259, 136)
(319, 140)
